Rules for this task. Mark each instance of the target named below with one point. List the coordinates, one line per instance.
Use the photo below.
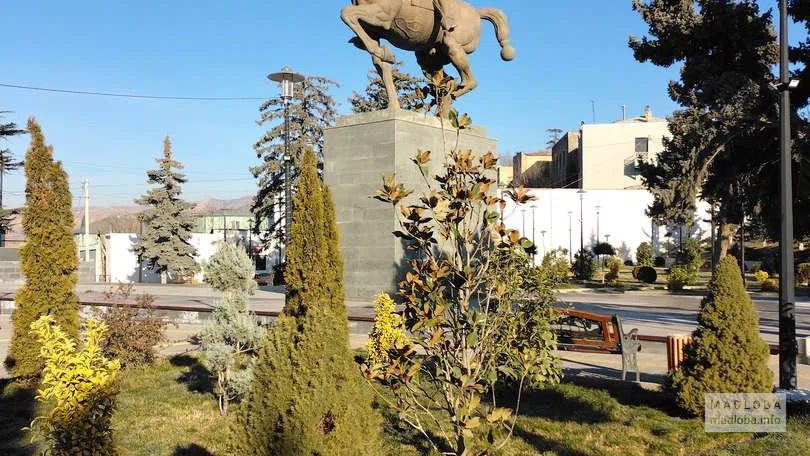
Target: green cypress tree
(308, 396)
(306, 254)
(334, 261)
(164, 243)
(48, 259)
(727, 354)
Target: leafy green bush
(78, 388)
(556, 266)
(585, 267)
(133, 331)
(691, 257)
(727, 353)
(614, 267)
(660, 262)
(629, 263)
(770, 286)
(645, 256)
(647, 274)
(804, 274)
(679, 277)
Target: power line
(130, 95)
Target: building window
(642, 146)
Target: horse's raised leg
(384, 68)
(461, 61)
(373, 15)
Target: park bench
(587, 332)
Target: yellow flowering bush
(78, 387)
(761, 276)
(387, 330)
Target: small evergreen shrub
(770, 286)
(133, 331)
(647, 274)
(727, 354)
(679, 277)
(78, 388)
(629, 263)
(603, 248)
(556, 266)
(230, 341)
(645, 256)
(386, 332)
(614, 267)
(585, 267)
(691, 257)
(660, 262)
(804, 274)
(761, 276)
(230, 270)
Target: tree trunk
(164, 276)
(725, 237)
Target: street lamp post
(570, 238)
(598, 237)
(581, 194)
(287, 78)
(523, 216)
(543, 240)
(788, 348)
(534, 208)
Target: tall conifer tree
(164, 243)
(307, 395)
(7, 164)
(49, 259)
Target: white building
(120, 263)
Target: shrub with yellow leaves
(78, 387)
(387, 330)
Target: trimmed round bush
(628, 263)
(660, 262)
(679, 278)
(647, 274)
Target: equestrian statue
(440, 32)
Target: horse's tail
(501, 24)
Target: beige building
(506, 174)
(565, 161)
(609, 153)
(532, 169)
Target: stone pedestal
(358, 152)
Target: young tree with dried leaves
(312, 110)
(48, 259)
(374, 98)
(164, 243)
(474, 314)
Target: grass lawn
(168, 409)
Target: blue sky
(569, 53)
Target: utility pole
(788, 347)
(598, 236)
(86, 198)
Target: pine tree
(312, 110)
(727, 353)
(48, 259)
(726, 51)
(375, 97)
(307, 253)
(7, 164)
(164, 243)
(307, 396)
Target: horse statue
(440, 32)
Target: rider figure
(443, 7)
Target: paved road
(665, 314)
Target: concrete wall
(608, 151)
(358, 151)
(122, 262)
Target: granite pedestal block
(358, 152)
